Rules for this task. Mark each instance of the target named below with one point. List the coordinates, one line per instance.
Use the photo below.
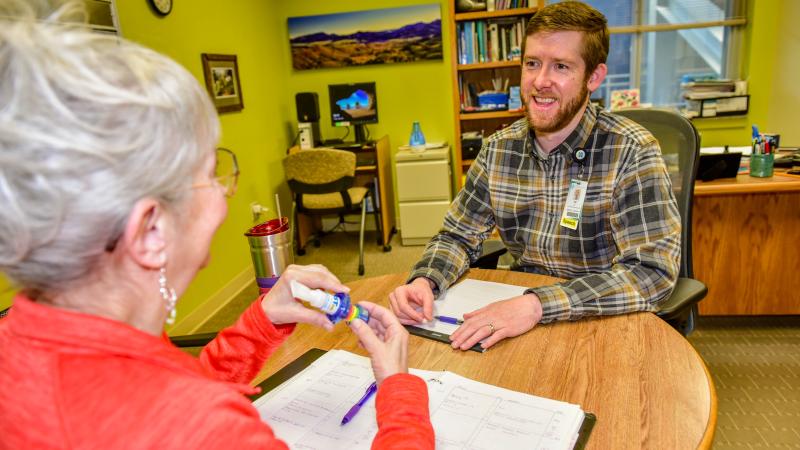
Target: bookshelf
(482, 51)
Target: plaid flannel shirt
(625, 254)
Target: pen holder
(761, 165)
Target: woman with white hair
(110, 192)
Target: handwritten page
(467, 296)
(306, 411)
(468, 414)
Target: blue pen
(357, 407)
(451, 320)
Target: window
(655, 43)
(102, 16)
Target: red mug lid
(272, 226)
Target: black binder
(439, 337)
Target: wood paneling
(745, 249)
(643, 380)
(745, 184)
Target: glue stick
(336, 306)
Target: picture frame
(376, 36)
(221, 73)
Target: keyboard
(348, 146)
(787, 160)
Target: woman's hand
(385, 340)
(281, 307)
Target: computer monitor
(354, 104)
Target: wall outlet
(257, 209)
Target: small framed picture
(624, 98)
(222, 80)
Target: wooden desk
(646, 384)
(745, 236)
(381, 170)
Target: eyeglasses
(226, 172)
(226, 176)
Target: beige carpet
(755, 361)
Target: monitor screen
(353, 104)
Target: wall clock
(162, 7)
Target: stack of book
(711, 98)
(483, 41)
(696, 90)
(478, 96)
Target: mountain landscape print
(379, 36)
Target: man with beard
(575, 193)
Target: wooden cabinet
(744, 244)
(481, 52)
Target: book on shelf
(510, 4)
(491, 40)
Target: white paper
(469, 414)
(467, 296)
(427, 146)
(306, 411)
(745, 150)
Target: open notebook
(306, 410)
(461, 298)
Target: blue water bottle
(417, 139)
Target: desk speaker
(307, 106)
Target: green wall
(6, 292)
(783, 116)
(767, 48)
(419, 91)
(259, 134)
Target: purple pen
(357, 407)
(451, 320)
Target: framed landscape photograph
(378, 36)
(222, 81)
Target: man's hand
(406, 301)
(497, 321)
(385, 340)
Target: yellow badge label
(572, 224)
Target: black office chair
(321, 181)
(491, 252)
(680, 147)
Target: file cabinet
(423, 192)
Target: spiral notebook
(461, 298)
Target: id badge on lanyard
(572, 210)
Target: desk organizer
(761, 165)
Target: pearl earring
(168, 294)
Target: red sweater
(70, 380)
